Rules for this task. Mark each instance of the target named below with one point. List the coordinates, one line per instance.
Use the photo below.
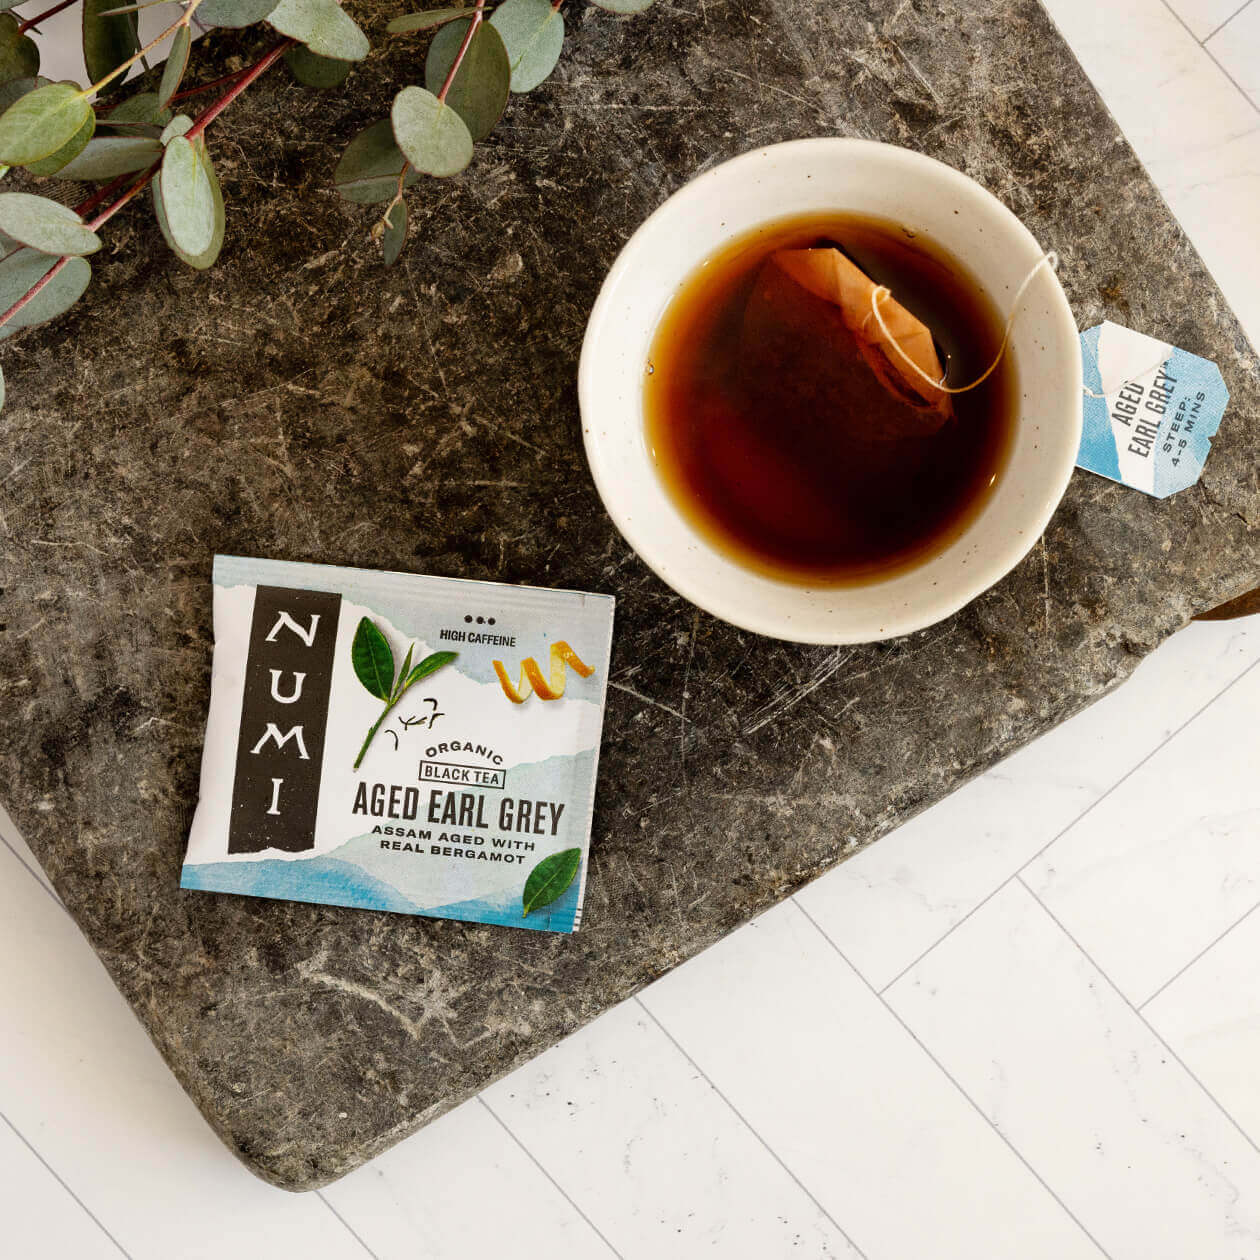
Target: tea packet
(810, 327)
(389, 741)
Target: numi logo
(284, 713)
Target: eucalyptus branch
(478, 14)
(506, 48)
(208, 87)
(102, 194)
(184, 18)
(256, 71)
(200, 123)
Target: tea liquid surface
(776, 466)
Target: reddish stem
(47, 13)
(202, 121)
(206, 87)
(102, 194)
(260, 67)
(463, 48)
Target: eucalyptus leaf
(1, 388)
(549, 879)
(176, 64)
(45, 225)
(71, 149)
(143, 109)
(176, 127)
(479, 90)
(187, 198)
(323, 26)
(106, 157)
(19, 54)
(313, 71)
(41, 122)
(233, 12)
(423, 21)
(21, 271)
(207, 256)
(373, 659)
(107, 41)
(370, 166)
(432, 136)
(392, 242)
(623, 6)
(533, 33)
(13, 90)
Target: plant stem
(206, 87)
(39, 17)
(257, 70)
(389, 708)
(376, 727)
(103, 194)
(478, 14)
(183, 20)
(203, 120)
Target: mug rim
(763, 619)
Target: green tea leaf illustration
(374, 664)
(402, 673)
(429, 664)
(549, 879)
(373, 659)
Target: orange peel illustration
(562, 655)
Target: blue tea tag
(1151, 410)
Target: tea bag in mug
(811, 333)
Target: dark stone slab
(301, 402)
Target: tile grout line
(743, 1119)
(1246, 1137)
(879, 993)
(52, 1172)
(1220, 26)
(1141, 1006)
(564, 1194)
(953, 1081)
(349, 1228)
(1238, 86)
(61, 906)
(1098, 800)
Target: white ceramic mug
(819, 176)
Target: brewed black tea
(789, 430)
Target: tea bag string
(881, 293)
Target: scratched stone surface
(301, 402)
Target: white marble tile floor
(1027, 1024)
